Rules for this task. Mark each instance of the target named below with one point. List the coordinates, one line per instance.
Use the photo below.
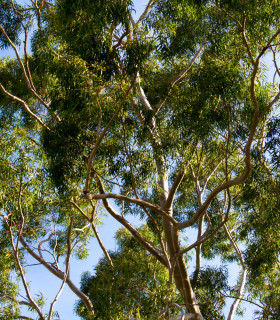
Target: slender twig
(275, 63)
(229, 15)
(270, 105)
(21, 302)
(204, 237)
(25, 106)
(27, 79)
(182, 311)
(137, 197)
(95, 232)
(176, 184)
(243, 277)
(66, 273)
(21, 271)
(181, 74)
(60, 275)
(243, 299)
(236, 181)
(246, 41)
(130, 164)
(120, 40)
(148, 8)
(210, 175)
(268, 44)
(21, 214)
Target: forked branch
(139, 202)
(95, 232)
(147, 244)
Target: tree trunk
(181, 277)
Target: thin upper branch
(229, 15)
(268, 44)
(275, 62)
(27, 76)
(60, 275)
(148, 8)
(246, 300)
(245, 40)
(66, 273)
(182, 311)
(243, 276)
(174, 188)
(22, 275)
(154, 221)
(17, 54)
(182, 74)
(248, 167)
(21, 215)
(204, 237)
(21, 302)
(270, 105)
(210, 175)
(25, 106)
(120, 40)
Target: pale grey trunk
(181, 277)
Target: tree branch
(248, 167)
(242, 299)
(22, 302)
(154, 221)
(181, 74)
(95, 232)
(148, 245)
(21, 271)
(243, 277)
(26, 71)
(60, 275)
(148, 8)
(204, 237)
(139, 202)
(246, 41)
(174, 188)
(25, 106)
(66, 273)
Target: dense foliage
(134, 286)
(171, 115)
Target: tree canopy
(173, 117)
(134, 285)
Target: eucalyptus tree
(171, 115)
